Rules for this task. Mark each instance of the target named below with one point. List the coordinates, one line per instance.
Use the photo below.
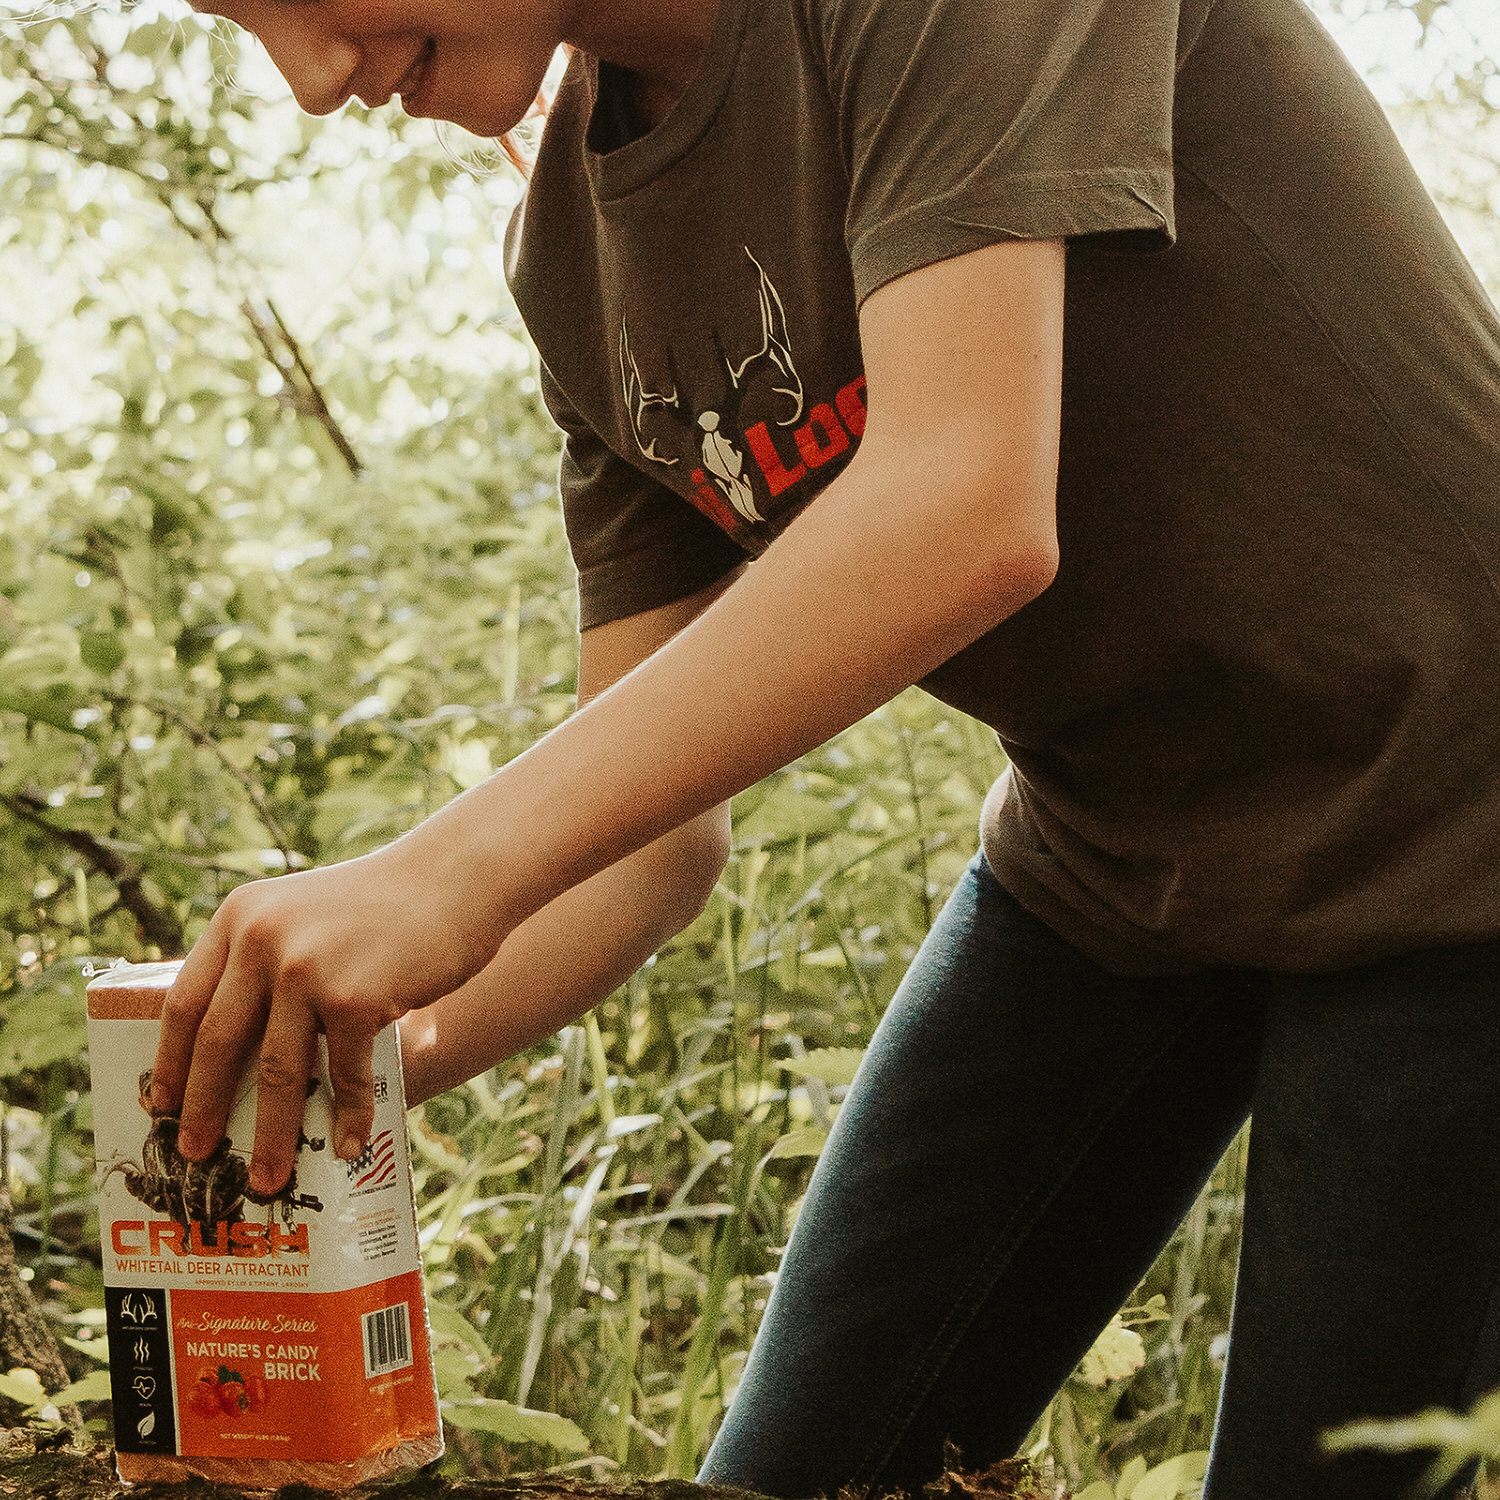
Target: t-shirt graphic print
(759, 436)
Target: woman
(1207, 528)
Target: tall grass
(602, 1218)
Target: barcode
(387, 1339)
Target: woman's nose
(318, 68)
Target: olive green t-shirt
(1254, 720)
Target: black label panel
(140, 1369)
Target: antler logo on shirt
(638, 399)
(724, 481)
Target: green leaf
(24, 1387)
(1434, 1428)
(450, 1325)
(21, 372)
(1130, 1476)
(92, 1387)
(459, 1352)
(1168, 1480)
(247, 861)
(808, 1141)
(54, 704)
(102, 651)
(1100, 1489)
(46, 1022)
(455, 1366)
(516, 1424)
(1117, 1353)
(97, 1349)
(1152, 1310)
(832, 1065)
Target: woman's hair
(512, 143)
(515, 148)
(517, 157)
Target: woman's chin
(469, 115)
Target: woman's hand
(343, 951)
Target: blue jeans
(1024, 1135)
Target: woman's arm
(588, 941)
(940, 527)
(572, 954)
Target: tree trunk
(25, 1339)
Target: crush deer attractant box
(257, 1341)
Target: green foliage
(1458, 1438)
(281, 571)
(1142, 1404)
(604, 1217)
(1179, 1475)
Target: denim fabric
(1024, 1135)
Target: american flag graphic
(376, 1164)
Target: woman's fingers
(182, 1012)
(288, 1055)
(287, 1030)
(283, 960)
(350, 1074)
(225, 1038)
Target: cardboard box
(256, 1343)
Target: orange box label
(253, 1370)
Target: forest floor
(68, 1474)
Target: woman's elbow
(691, 861)
(1033, 565)
(1010, 573)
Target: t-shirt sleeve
(636, 544)
(966, 122)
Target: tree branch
(300, 386)
(158, 925)
(304, 396)
(201, 737)
(276, 339)
(25, 1338)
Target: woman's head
(477, 63)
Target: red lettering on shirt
(711, 503)
(778, 476)
(852, 406)
(816, 450)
